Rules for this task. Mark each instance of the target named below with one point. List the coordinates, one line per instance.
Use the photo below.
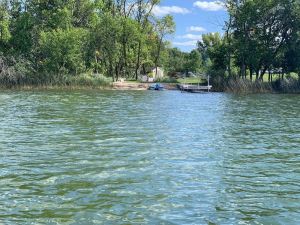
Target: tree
(175, 61)
(213, 47)
(61, 51)
(5, 34)
(194, 62)
(142, 13)
(261, 31)
(107, 35)
(164, 27)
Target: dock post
(208, 83)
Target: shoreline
(121, 86)
(139, 86)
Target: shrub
(287, 85)
(246, 86)
(14, 71)
(90, 80)
(61, 51)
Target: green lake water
(90, 157)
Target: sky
(193, 18)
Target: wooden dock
(195, 88)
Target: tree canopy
(50, 40)
(57, 38)
(260, 36)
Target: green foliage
(61, 51)
(5, 34)
(89, 80)
(194, 62)
(175, 61)
(214, 49)
(62, 39)
(261, 38)
(22, 38)
(262, 32)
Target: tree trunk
(257, 74)
(271, 77)
(96, 61)
(229, 45)
(111, 71)
(243, 71)
(158, 55)
(251, 74)
(124, 50)
(142, 19)
(137, 66)
(262, 74)
(117, 72)
(144, 69)
(229, 65)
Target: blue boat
(156, 87)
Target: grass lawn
(191, 80)
(275, 77)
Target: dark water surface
(88, 157)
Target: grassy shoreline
(53, 87)
(125, 86)
(236, 86)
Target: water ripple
(91, 157)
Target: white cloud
(186, 43)
(196, 29)
(210, 6)
(165, 10)
(192, 40)
(191, 37)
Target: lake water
(90, 157)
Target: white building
(152, 75)
(157, 73)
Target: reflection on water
(148, 158)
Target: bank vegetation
(82, 42)
(260, 48)
(95, 42)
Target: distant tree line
(49, 41)
(177, 61)
(59, 41)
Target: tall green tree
(61, 51)
(164, 27)
(194, 62)
(261, 30)
(175, 61)
(5, 34)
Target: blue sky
(193, 18)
